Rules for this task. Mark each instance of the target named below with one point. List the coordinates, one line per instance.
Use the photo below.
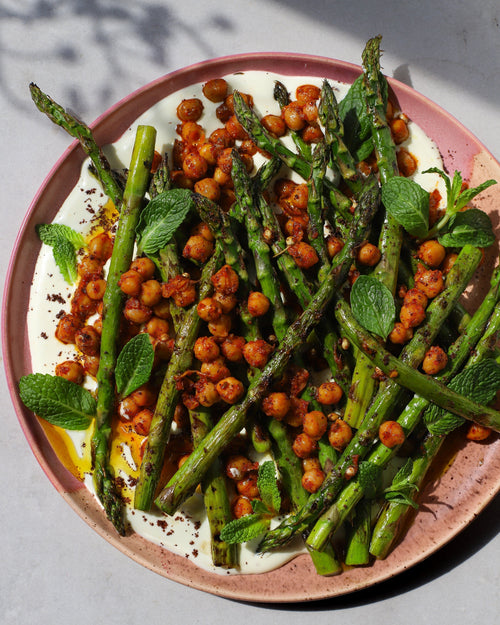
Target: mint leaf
(369, 475)
(134, 364)
(408, 203)
(161, 217)
(244, 529)
(64, 242)
(472, 226)
(468, 194)
(259, 507)
(480, 382)
(57, 400)
(402, 488)
(373, 305)
(267, 484)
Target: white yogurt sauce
(187, 533)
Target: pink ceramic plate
(448, 504)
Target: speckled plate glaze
(454, 495)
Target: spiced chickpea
(157, 328)
(193, 134)
(412, 314)
(429, 281)
(276, 405)
(293, 116)
(89, 266)
(369, 255)
(312, 480)
(407, 163)
(232, 348)
(164, 348)
(241, 506)
(194, 166)
(226, 280)
(143, 396)
(391, 434)
(339, 434)
(91, 365)
(299, 196)
(88, 341)
(190, 110)
(127, 409)
(215, 89)
(206, 349)
(478, 432)
(303, 254)
(181, 416)
(136, 312)
(284, 187)
(238, 466)
(307, 93)
(333, 245)
(227, 302)
(130, 282)
(209, 309)
(432, 253)
(399, 130)
(141, 422)
(230, 390)
(400, 335)
(235, 129)
(312, 134)
(304, 446)
(310, 112)
(71, 370)
(181, 181)
(257, 353)
(222, 179)
(274, 124)
(258, 304)
(215, 370)
(310, 463)
(247, 98)
(100, 247)
(95, 288)
(67, 328)
(415, 296)
(221, 139)
(448, 262)
(298, 408)
(162, 309)
(150, 294)
(221, 327)
(209, 152)
(206, 393)
(203, 230)
(198, 248)
(82, 305)
(315, 424)
(329, 393)
(181, 288)
(248, 486)
(435, 360)
(209, 188)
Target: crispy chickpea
(435, 209)
(429, 281)
(181, 181)
(257, 353)
(310, 463)
(143, 396)
(209, 152)
(181, 288)
(70, 370)
(164, 348)
(193, 134)
(258, 304)
(478, 432)
(303, 254)
(399, 130)
(298, 408)
(215, 370)
(209, 309)
(209, 188)
(307, 93)
(295, 227)
(247, 146)
(221, 139)
(329, 393)
(304, 446)
(227, 302)
(415, 296)
(226, 280)
(190, 110)
(274, 124)
(368, 255)
(299, 196)
(247, 98)
(235, 129)
(432, 253)
(293, 116)
(204, 231)
(194, 166)
(127, 409)
(314, 424)
(67, 328)
(238, 466)
(247, 487)
(241, 506)
(130, 282)
(215, 89)
(222, 179)
(82, 305)
(91, 365)
(333, 245)
(162, 309)
(310, 112)
(232, 348)
(284, 187)
(136, 312)
(391, 434)
(95, 288)
(400, 335)
(89, 266)
(206, 393)
(312, 134)
(157, 328)
(448, 262)
(276, 405)
(181, 416)
(411, 315)
(312, 480)
(88, 341)
(339, 434)
(435, 360)
(407, 164)
(221, 327)
(230, 390)
(101, 247)
(150, 294)
(198, 249)
(141, 423)
(206, 349)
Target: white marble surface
(90, 53)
